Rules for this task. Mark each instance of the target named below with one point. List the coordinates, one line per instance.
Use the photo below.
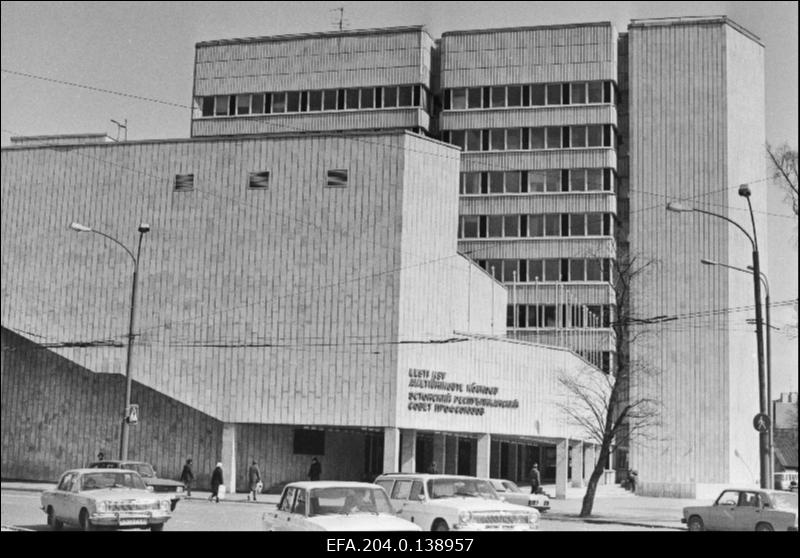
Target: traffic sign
(133, 414)
(761, 422)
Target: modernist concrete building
(299, 295)
(572, 140)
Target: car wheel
(52, 522)
(696, 523)
(86, 524)
(764, 527)
(440, 525)
(157, 527)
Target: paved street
(21, 509)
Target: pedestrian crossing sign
(133, 414)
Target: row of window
(545, 137)
(539, 94)
(550, 269)
(541, 316)
(315, 101)
(525, 226)
(531, 181)
(335, 178)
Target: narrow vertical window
(303, 101)
(208, 106)
(337, 178)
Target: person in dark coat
(216, 482)
(633, 476)
(315, 471)
(254, 476)
(536, 479)
(100, 456)
(433, 469)
(187, 477)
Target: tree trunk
(591, 487)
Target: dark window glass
(471, 182)
(523, 269)
(578, 93)
(417, 96)
(208, 106)
(608, 180)
(315, 101)
(553, 180)
(553, 137)
(526, 95)
(340, 99)
(293, 101)
(565, 230)
(498, 136)
(513, 182)
(576, 224)
(522, 317)
(576, 268)
(564, 271)
(565, 94)
(184, 182)
(459, 99)
(608, 137)
(510, 315)
(457, 138)
(473, 140)
(537, 95)
(496, 182)
(552, 225)
(552, 270)
(221, 105)
(514, 96)
(404, 96)
(487, 97)
(279, 102)
(594, 224)
(446, 99)
(303, 101)
(537, 180)
(514, 138)
(535, 225)
(535, 270)
(577, 179)
(378, 97)
(232, 105)
(510, 270)
(526, 138)
(484, 183)
(389, 97)
(474, 97)
(258, 103)
(470, 226)
(554, 94)
(565, 136)
(337, 178)
(606, 269)
(259, 180)
(511, 226)
(329, 102)
(595, 92)
(593, 271)
(607, 92)
(498, 96)
(495, 226)
(267, 103)
(485, 140)
(351, 98)
(309, 442)
(595, 138)
(495, 269)
(606, 224)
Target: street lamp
(763, 437)
(764, 280)
(143, 228)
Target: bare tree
(603, 405)
(784, 171)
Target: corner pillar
(228, 457)
(577, 464)
(408, 451)
(483, 457)
(562, 461)
(391, 449)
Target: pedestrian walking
(315, 470)
(187, 477)
(633, 476)
(216, 482)
(254, 476)
(536, 479)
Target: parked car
(173, 489)
(334, 506)
(745, 509)
(445, 502)
(510, 492)
(116, 498)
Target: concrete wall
(58, 415)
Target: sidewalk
(640, 511)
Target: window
(184, 182)
(242, 104)
(498, 97)
(259, 180)
(510, 270)
(535, 225)
(514, 96)
(577, 180)
(578, 96)
(474, 97)
(293, 101)
(553, 177)
(594, 180)
(416, 491)
(279, 102)
(315, 101)
(537, 95)
(537, 138)
(471, 183)
(553, 138)
(329, 102)
(514, 138)
(513, 182)
(552, 225)
(457, 138)
(577, 224)
(258, 103)
(554, 94)
(309, 442)
(595, 92)
(578, 136)
(351, 98)
(459, 99)
(390, 97)
(537, 180)
(496, 182)
(595, 136)
(594, 224)
(498, 139)
(208, 106)
(473, 140)
(402, 489)
(368, 98)
(495, 226)
(593, 270)
(470, 226)
(535, 270)
(404, 96)
(288, 500)
(576, 268)
(511, 225)
(337, 178)
(221, 105)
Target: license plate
(127, 522)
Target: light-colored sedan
(114, 498)
(510, 492)
(334, 506)
(745, 509)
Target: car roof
(121, 461)
(330, 484)
(425, 476)
(94, 470)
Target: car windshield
(785, 501)
(144, 469)
(345, 500)
(511, 487)
(100, 480)
(461, 487)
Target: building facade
(566, 143)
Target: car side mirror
(421, 497)
(149, 488)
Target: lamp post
(143, 228)
(763, 437)
(764, 280)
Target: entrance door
(464, 456)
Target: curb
(610, 521)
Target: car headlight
(101, 507)
(179, 489)
(164, 504)
(464, 516)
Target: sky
(145, 50)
